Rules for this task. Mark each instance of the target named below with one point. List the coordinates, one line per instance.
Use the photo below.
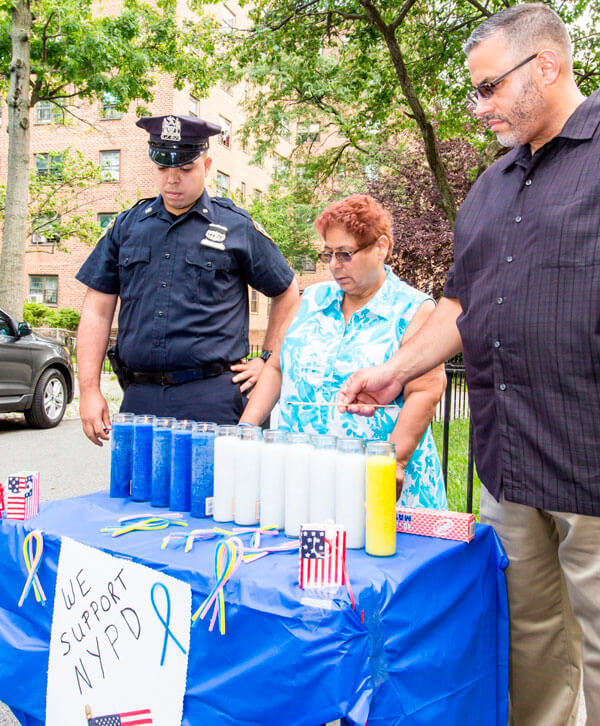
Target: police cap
(177, 140)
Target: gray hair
(524, 28)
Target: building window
(281, 167)
(47, 112)
(225, 135)
(110, 165)
(49, 164)
(105, 218)
(227, 20)
(109, 106)
(306, 264)
(222, 184)
(43, 289)
(253, 301)
(257, 195)
(243, 191)
(44, 229)
(308, 133)
(194, 106)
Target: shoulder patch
(259, 228)
(107, 228)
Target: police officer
(180, 264)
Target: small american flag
(129, 718)
(322, 555)
(23, 495)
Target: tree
(371, 70)
(68, 52)
(422, 252)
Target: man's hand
(249, 373)
(95, 417)
(367, 388)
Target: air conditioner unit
(35, 297)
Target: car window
(5, 326)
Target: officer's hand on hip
(248, 373)
(95, 417)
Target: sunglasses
(341, 257)
(486, 89)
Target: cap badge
(171, 129)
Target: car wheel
(49, 400)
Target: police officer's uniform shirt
(183, 282)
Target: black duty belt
(174, 378)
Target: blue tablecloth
(427, 643)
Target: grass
(458, 447)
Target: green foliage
(458, 448)
(40, 316)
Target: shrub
(39, 315)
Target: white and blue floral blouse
(320, 351)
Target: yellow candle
(380, 539)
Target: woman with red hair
(359, 319)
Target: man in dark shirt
(522, 301)
(181, 265)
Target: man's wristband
(265, 355)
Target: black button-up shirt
(184, 300)
(527, 274)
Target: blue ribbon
(165, 621)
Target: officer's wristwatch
(266, 354)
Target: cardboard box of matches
(436, 523)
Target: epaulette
(230, 204)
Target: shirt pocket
(133, 269)
(570, 231)
(207, 271)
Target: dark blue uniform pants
(209, 399)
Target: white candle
(272, 479)
(247, 476)
(350, 491)
(322, 479)
(297, 476)
(226, 443)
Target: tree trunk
(425, 127)
(12, 259)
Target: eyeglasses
(486, 89)
(341, 257)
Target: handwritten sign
(119, 642)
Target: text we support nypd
(102, 623)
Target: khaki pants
(554, 601)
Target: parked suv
(36, 374)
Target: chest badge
(215, 237)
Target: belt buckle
(163, 379)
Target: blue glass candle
(161, 462)
(203, 468)
(121, 454)
(181, 466)
(141, 475)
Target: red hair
(360, 215)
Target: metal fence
(455, 405)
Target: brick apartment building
(113, 141)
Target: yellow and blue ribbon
(32, 562)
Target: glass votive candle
(181, 467)
(121, 454)
(226, 443)
(246, 489)
(141, 475)
(350, 490)
(380, 535)
(203, 468)
(321, 506)
(272, 482)
(297, 477)
(161, 461)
